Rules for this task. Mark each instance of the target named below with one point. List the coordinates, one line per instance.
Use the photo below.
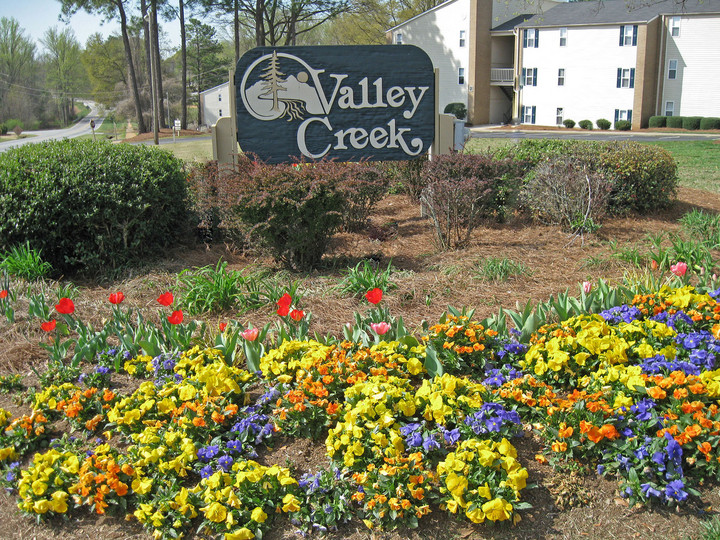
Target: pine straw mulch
(565, 505)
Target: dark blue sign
(347, 103)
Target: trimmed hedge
(602, 123)
(585, 124)
(623, 125)
(691, 122)
(657, 121)
(90, 206)
(569, 123)
(710, 123)
(459, 110)
(675, 122)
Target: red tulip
(297, 315)
(223, 326)
(654, 264)
(166, 299)
(117, 298)
(250, 334)
(65, 306)
(49, 326)
(176, 317)
(374, 295)
(284, 305)
(3, 294)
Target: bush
(533, 151)
(691, 122)
(291, 210)
(657, 121)
(644, 177)
(362, 185)
(464, 189)
(91, 206)
(408, 175)
(568, 193)
(623, 125)
(585, 124)
(675, 122)
(602, 123)
(12, 123)
(457, 109)
(710, 123)
(3, 129)
(569, 123)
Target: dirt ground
(564, 506)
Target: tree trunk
(236, 21)
(259, 25)
(158, 65)
(131, 67)
(183, 55)
(146, 39)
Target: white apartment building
(579, 60)
(214, 103)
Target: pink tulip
(679, 268)
(380, 328)
(587, 287)
(250, 334)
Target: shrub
(3, 129)
(91, 206)
(533, 151)
(675, 122)
(12, 123)
(408, 175)
(623, 125)
(291, 210)
(644, 177)
(691, 122)
(457, 109)
(585, 124)
(657, 121)
(602, 123)
(363, 185)
(464, 189)
(710, 123)
(567, 192)
(569, 123)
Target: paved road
(489, 133)
(81, 128)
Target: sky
(36, 16)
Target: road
(76, 130)
(595, 135)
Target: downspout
(661, 68)
(516, 78)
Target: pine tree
(273, 79)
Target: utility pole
(153, 86)
(167, 100)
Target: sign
(177, 124)
(92, 124)
(348, 103)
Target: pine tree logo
(273, 81)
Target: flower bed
(632, 392)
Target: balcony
(502, 76)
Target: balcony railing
(502, 76)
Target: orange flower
(108, 395)
(693, 431)
(218, 417)
(558, 446)
(705, 449)
(565, 431)
(595, 435)
(697, 388)
(198, 421)
(680, 393)
(656, 392)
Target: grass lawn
(191, 150)
(698, 163)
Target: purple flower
(234, 446)
(451, 437)
(429, 443)
(226, 462)
(649, 491)
(207, 453)
(674, 490)
(206, 471)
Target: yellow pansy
(258, 515)
(497, 510)
(240, 534)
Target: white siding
(214, 101)
(696, 90)
(437, 32)
(591, 60)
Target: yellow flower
(456, 484)
(258, 515)
(497, 509)
(240, 534)
(59, 502)
(476, 515)
(41, 506)
(290, 503)
(414, 366)
(39, 487)
(216, 512)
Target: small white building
(214, 103)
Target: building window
(626, 78)
(669, 108)
(559, 116)
(530, 38)
(563, 37)
(561, 77)
(628, 35)
(529, 76)
(462, 38)
(528, 115)
(675, 26)
(398, 38)
(219, 97)
(623, 115)
(220, 113)
(461, 75)
(672, 69)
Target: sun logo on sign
(270, 93)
